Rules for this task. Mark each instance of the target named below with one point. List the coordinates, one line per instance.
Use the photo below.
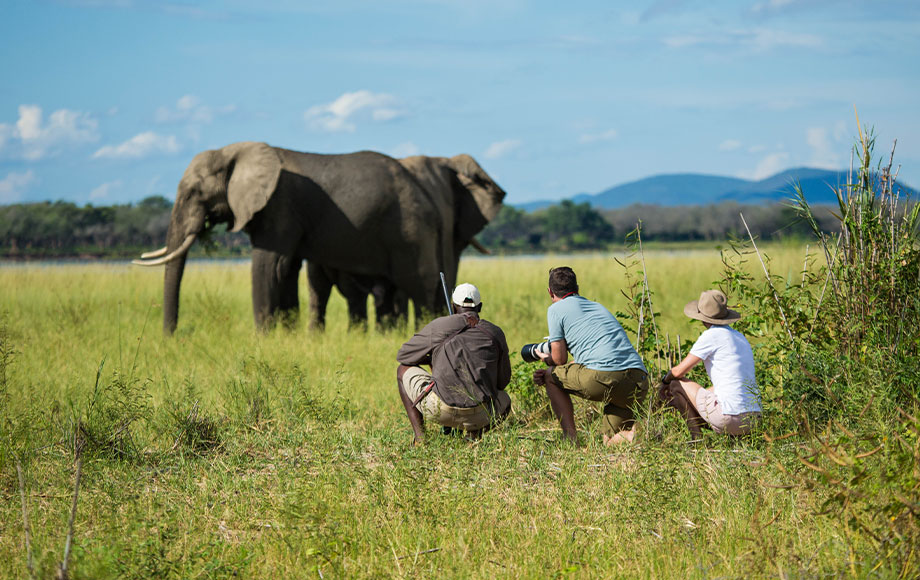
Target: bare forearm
(559, 353)
(684, 366)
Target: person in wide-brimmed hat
(732, 405)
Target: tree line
(64, 229)
(570, 226)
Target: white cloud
(142, 145)
(501, 148)
(825, 146)
(769, 165)
(405, 150)
(756, 39)
(103, 191)
(784, 104)
(153, 186)
(6, 132)
(730, 145)
(840, 131)
(188, 109)
(771, 6)
(608, 135)
(37, 138)
(342, 114)
(14, 184)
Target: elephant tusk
(479, 247)
(154, 254)
(166, 259)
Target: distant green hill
(699, 189)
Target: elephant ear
(254, 171)
(478, 200)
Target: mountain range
(700, 189)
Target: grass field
(221, 452)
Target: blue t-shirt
(592, 334)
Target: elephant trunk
(171, 282)
(185, 225)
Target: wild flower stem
(25, 519)
(769, 281)
(62, 572)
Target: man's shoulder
(718, 335)
(451, 320)
(565, 306)
(491, 325)
(576, 306)
(721, 332)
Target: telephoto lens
(529, 351)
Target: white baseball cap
(466, 295)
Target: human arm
(559, 348)
(504, 370)
(558, 355)
(417, 350)
(682, 368)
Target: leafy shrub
(105, 425)
(194, 429)
(530, 402)
(840, 350)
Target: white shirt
(729, 362)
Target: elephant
(453, 182)
(363, 213)
(390, 305)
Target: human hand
(544, 356)
(668, 378)
(539, 376)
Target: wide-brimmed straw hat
(711, 308)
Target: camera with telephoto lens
(529, 351)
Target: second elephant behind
(453, 185)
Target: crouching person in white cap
(470, 369)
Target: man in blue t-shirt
(606, 367)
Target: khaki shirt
(469, 364)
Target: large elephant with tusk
(363, 213)
(453, 183)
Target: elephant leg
(290, 299)
(384, 304)
(356, 296)
(420, 280)
(401, 307)
(391, 305)
(320, 289)
(271, 279)
(354, 289)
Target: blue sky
(106, 101)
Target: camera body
(529, 351)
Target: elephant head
(461, 189)
(228, 185)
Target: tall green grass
(222, 452)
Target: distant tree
(715, 221)
(63, 228)
(512, 230)
(155, 202)
(570, 226)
